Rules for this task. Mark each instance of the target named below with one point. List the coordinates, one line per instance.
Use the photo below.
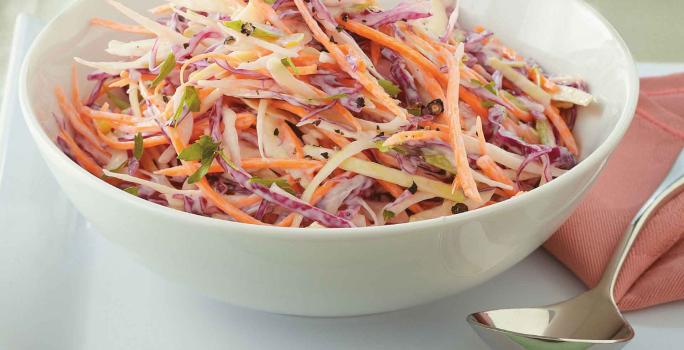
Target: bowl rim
(50, 149)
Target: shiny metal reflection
(589, 321)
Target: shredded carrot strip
(147, 162)
(481, 136)
(375, 52)
(563, 130)
(128, 28)
(246, 201)
(396, 191)
(247, 164)
(296, 142)
(473, 101)
(541, 80)
(494, 172)
(364, 79)
(315, 198)
(517, 112)
(272, 16)
(227, 207)
(75, 120)
(396, 45)
(464, 175)
(109, 116)
(415, 135)
(129, 145)
(81, 157)
(304, 70)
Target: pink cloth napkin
(654, 270)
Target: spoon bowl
(589, 321)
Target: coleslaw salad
(315, 113)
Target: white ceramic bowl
(323, 272)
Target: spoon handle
(670, 187)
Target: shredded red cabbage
(331, 86)
(558, 156)
(475, 41)
(400, 75)
(407, 10)
(291, 203)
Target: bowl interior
(579, 43)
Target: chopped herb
(388, 214)
(190, 99)
(138, 146)
(459, 208)
(491, 88)
(435, 107)
(270, 2)
(487, 104)
(345, 17)
(132, 190)
(265, 34)
(203, 150)
(380, 145)
(380, 134)
(360, 102)
(234, 25)
(413, 189)
(165, 69)
(416, 110)
(282, 183)
(377, 127)
(118, 101)
(338, 131)
(336, 97)
(545, 132)
(200, 149)
(339, 28)
(120, 168)
(276, 132)
(287, 62)
(389, 87)
(249, 29)
(514, 100)
(476, 82)
(440, 161)
(325, 155)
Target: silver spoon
(589, 321)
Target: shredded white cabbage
(287, 81)
(260, 125)
(224, 6)
(230, 136)
(117, 66)
(155, 186)
(520, 81)
(572, 95)
(508, 159)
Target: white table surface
(62, 286)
